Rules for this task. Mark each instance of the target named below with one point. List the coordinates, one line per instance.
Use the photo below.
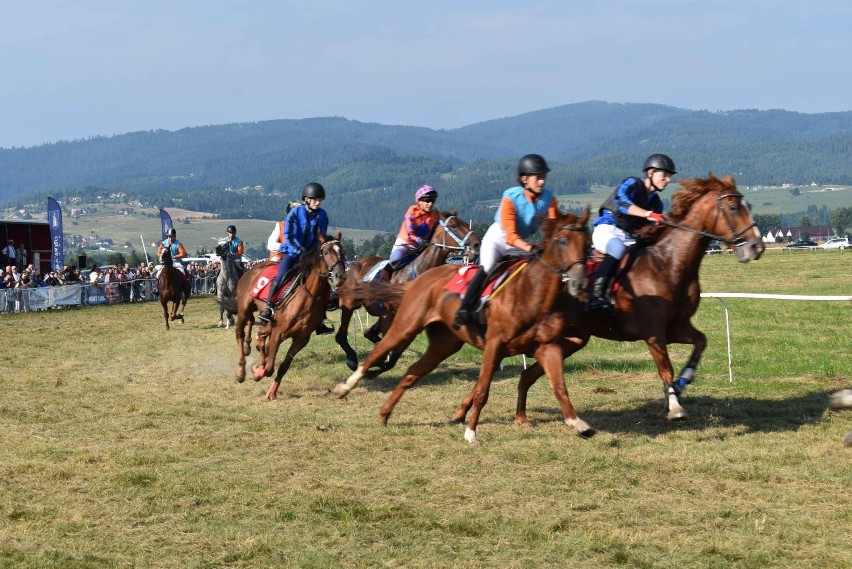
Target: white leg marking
(579, 425)
(469, 435)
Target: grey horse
(226, 286)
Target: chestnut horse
(451, 235)
(658, 291)
(522, 318)
(173, 287)
(296, 315)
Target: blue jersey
(632, 191)
(302, 228)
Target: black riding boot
(597, 296)
(333, 301)
(266, 313)
(467, 310)
(324, 328)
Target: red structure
(35, 235)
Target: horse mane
(312, 255)
(549, 226)
(683, 200)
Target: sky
(70, 70)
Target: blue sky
(74, 69)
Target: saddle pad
(592, 272)
(264, 281)
(458, 284)
(373, 273)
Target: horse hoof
(677, 415)
(240, 377)
(340, 391)
(352, 365)
(841, 399)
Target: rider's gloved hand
(535, 251)
(655, 217)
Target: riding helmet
(532, 164)
(232, 230)
(659, 162)
(313, 190)
(425, 191)
(172, 233)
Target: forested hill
(371, 170)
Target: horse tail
(389, 295)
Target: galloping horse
(173, 287)
(522, 318)
(296, 315)
(658, 291)
(451, 235)
(226, 286)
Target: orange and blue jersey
(417, 225)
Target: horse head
(222, 249)
(166, 257)
(721, 212)
(566, 245)
(454, 234)
(333, 259)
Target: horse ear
(339, 235)
(453, 213)
(584, 219)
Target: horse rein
(736, 236)
(461, 244)
(563, 274)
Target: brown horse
(658, 291)
(296, 315)
(451, 235)
(173, 287)
(522, 318)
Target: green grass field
(126, 446)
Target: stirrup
(267, 314)
(598, 303)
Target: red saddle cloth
(264, 281)
(458, 284)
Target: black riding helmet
(313, 190)
(659, 162)
(172, 233)
(232, 230)
(532, 164)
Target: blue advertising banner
(165, 222)
(54, 218)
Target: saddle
(505, 268)
(291, 279)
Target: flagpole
(144, 249)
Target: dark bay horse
(296, 315)
(451, 235)
(173, 287)
(226, 286)
(522, 318)
(658, 291)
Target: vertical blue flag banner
(165, 223)
(54, 218)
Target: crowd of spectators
(129, 284)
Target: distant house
(790, 234)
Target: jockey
(418, 223)
(235, 249)
(300, 230)
(517, 218)
(631, 206)
(278, 236)
(176, 249)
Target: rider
(235, 249)
(517, 218)
(418, 223)
(300, 230)
(626, 210)
(176, 249)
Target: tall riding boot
(467, 309)
(266, 313)
(597, 296)
(324, 328)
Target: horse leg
(530, 375)
(442, 344)
(342, 337)
(400, 338)
(550, 357)
(299, 342)
(660, 353)
(688, 335)
(165, 305)
(491, 356)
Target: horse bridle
(736, 236)
(461, 244)
(563, 273)
(330, 268)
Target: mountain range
(371, 170)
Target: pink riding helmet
(425, 191)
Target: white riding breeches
(611, 240)
(494, 247)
